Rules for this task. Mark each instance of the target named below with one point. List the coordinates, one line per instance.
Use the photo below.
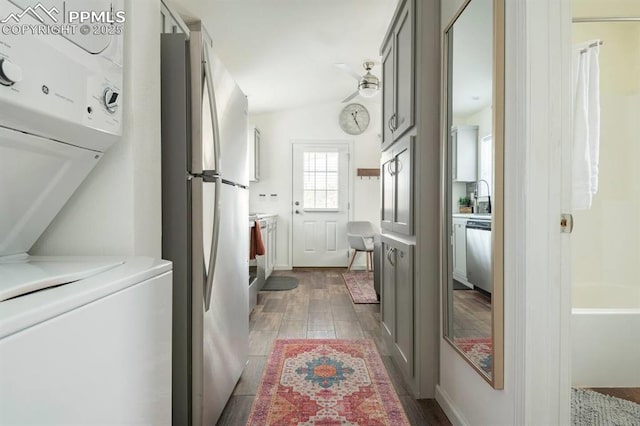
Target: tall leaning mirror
(472, 175)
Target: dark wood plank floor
(319, 308)
(471, 314)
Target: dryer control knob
(111, 99)
(10, 73)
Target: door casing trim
(350, 184)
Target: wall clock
(354, 119)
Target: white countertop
(263, 215)
(485, 216)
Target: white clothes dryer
(83, 340)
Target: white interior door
(320, 204)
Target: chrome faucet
(488, 193)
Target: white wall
(464, 394)
(482, 119)
(117, 210)
(605, 244)
(537, 304)
(317, 123)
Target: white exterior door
(320, 204)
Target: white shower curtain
(586, 123)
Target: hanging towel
(581, 179)
(256, 246)
(586, 124)
(593, 109)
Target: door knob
(297, 203)
(297, 211)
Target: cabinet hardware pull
(391, 172)
(389, 124)
(394, 122)
(389, 253)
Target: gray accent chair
(361, 237)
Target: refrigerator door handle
(214, 242)
(197, 92)
(208, 80)
(204, 118)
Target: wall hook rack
(368, 173)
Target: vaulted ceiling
(281, 52)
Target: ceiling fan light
(368, 92)
(369, 85)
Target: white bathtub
(605, 335)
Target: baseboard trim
(455, 416)
(358, 268)
(282, 268)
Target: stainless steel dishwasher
(479, 254)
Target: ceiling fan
(368, 84)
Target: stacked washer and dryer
(83, 340)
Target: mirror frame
(496, 380)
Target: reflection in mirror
(470, 175)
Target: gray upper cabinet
(398, 75)
(170, 22)
(388, 108)
(254, 154)
(404, 75)
(464, 140)
(396, 170)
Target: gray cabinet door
(254, 156)
(465, 153)
(397, 187)
(398, 76)
(460, 250)
(404, 299)
(388, 191)
(404, 35)
(387, 295)
(397, 301)
(388, 96)
(403, 175)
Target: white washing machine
(83, 340)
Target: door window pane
(332, 198)
(309, 198)
(332, 181)
(321, 178)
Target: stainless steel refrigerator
(205, 229)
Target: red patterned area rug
(360, 285)
(326, 382)
(478, 350)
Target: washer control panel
(111, 99)
(47, 80)
(10, 73)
